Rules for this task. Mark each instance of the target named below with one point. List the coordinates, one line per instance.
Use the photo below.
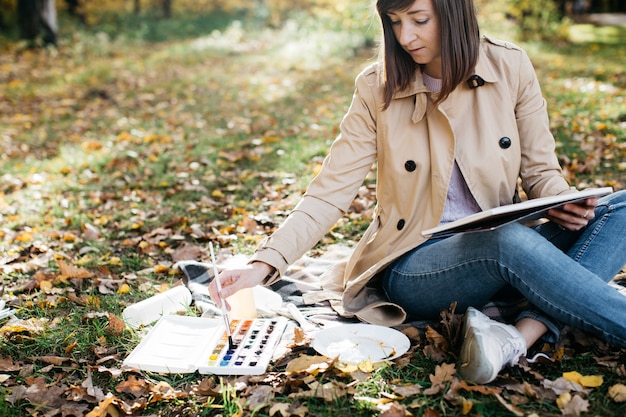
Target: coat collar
(484, 69)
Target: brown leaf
(261, 397)
(71, 271)
(42, 395)
(289, 409)
(394, 410)
(431, 412)
(512, 408)
(92, 391)
(406, 391)
(54, 360)
(443, 374)
(189, 253)
(73, 409)
(438, 347)
(90, 232)
(329, 391)
(575, 407)
(133, 386)
(208, 387)
(116, 325)
(7, 365)
(104, 408)
(483, 389)
(309, 364)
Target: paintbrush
(231, 344)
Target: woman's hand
(233, 280)
(574, 216)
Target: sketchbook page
(175, 344)
(520, 212)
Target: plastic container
(151, 309)
(242, 305)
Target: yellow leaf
(618, 393)
(366, 366)
(591, 381)
(24, 237)
(91, 145)
(217, 194)
(346, 368)
(45, 286)
(467, 406)
(115, 261)
(161, 269)
(123, 289)
(70, 348)
(587, 381)
(563, 400)
(69, 237)
(93, 301)
(572, 376)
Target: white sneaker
(488, 346)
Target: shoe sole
(472, 367)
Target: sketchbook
(520, 212)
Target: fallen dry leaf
(309, 364)
(116, 325)
(261, 397)
(511, 407)
(328, 392)
(54, 360)
(575, 407)
(7, 365)
(587, 381)
(443, 374)
(71, 271)
(617, 393)
(431, 412)
(289, 409)
(105, 408)
(394, 410)
(133, 386)
(406, 391)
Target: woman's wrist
(268, 269)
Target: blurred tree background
(151, 20)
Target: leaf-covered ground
(118, 158)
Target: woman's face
(417, 31)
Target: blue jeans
(563, 274)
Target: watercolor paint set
(182, 344)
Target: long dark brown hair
(460, 39)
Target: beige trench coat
(497, 133)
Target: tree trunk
(167, 8)
(28, 19)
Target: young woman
(453, 121)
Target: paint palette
(181, 344)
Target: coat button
(505, 142)
(410, 166)
(401, 224)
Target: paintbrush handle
(218, 284)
